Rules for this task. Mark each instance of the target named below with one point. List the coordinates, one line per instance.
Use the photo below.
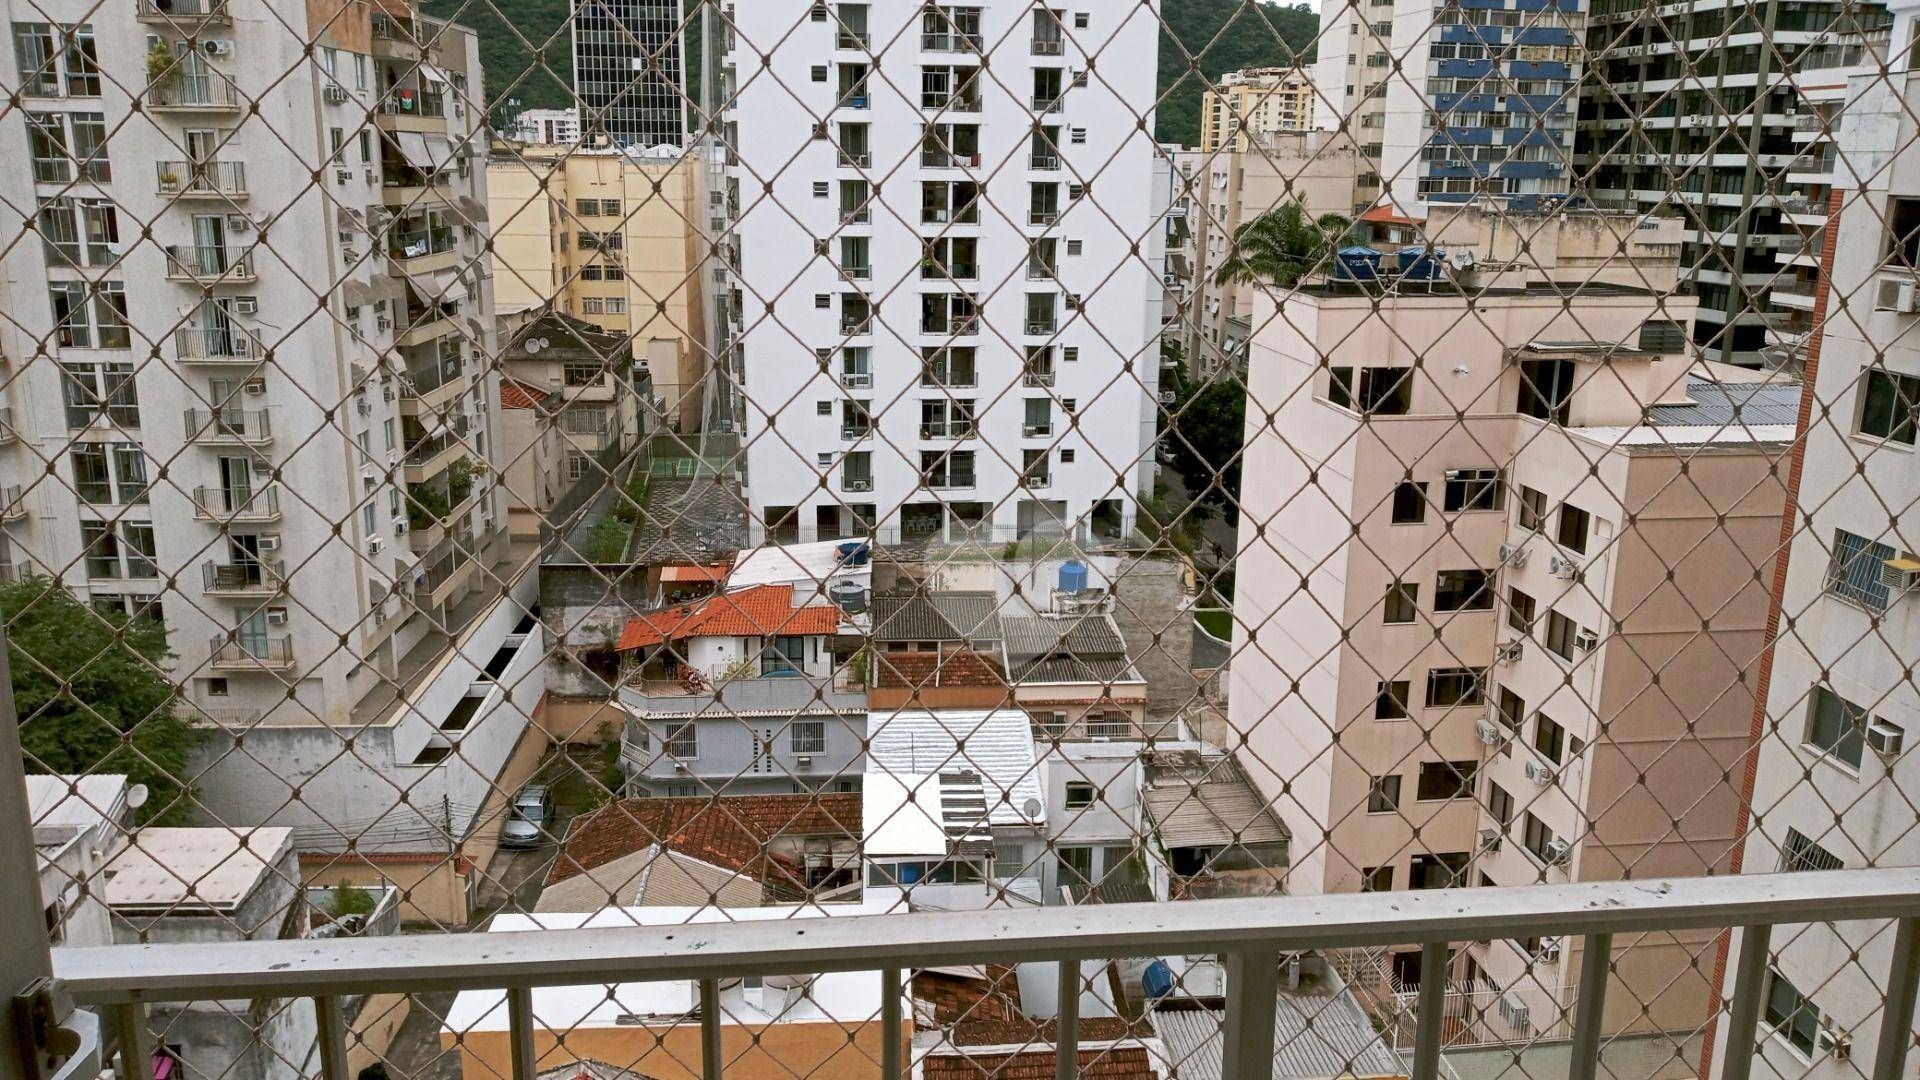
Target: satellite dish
(137, 796)
(534, 345)
(1031, 808)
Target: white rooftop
(995, 743)
(62, 807)
(902, 815)
(841, 997)
(221, 867)
(807, 567)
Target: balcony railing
(856, 380)
(215, 93)
(226, 179)
(856, 159)
(240, 579)
(240, 654)
(950, 43)
(13, 504)
(855, 432)
(249, 427)
(1049, 46)
(852, 39)
(213, 345)
(168, 11)
(226, 504)
(1043, 162)
(1251, 934)
(942, 159)
(947, 429)
(960, 327)
(208, 263)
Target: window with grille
(1801, 853)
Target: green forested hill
(525, 49)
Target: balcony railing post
(1066, 1037)
(710, 1046)
(1743, 1013)
(891, 1067)
(136, 1042)
(1429, 1019)
(24, 955)
(520, 1031)
(1596, 958)
(1253, 985)
(1896, 1014)
(332, 1025)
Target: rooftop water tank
(855, 553)
(850, 596)
(1073, 576)
(1422, 264)
(1157, 980)
(1357, 263)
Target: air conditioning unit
(374, 544)
(1906, 298)
(1167, 397)
(1885, 737)
(400, 527)
(1514, 1012)
(804, 761)
(217, 47)
(239, 223)
(1540, 774)
(858, 485)
(246, 305)
(256, 386)
(681, 767)
(1488, 731)
(1514, 555)
(1901, 575)
(1508, 651)
(1549, 950)
(1558, 852)
(335, 94)
(268, 544)
(1562, 567)
(1490, 839)
(343, 176)
(1833, 1042)
(1032, 430)
(1586, 640)
(276, 616)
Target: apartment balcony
(941, 159)
(855, 432)
(195, 94)
(936, 271)
(229, 427)
(1035, 380)
(856, 380)
(207, 264)
(1039, 271)
(429, 458)
(250, 654)
(423, 251)
(1042, 327)
(240, 579)
(429, 389)
(962, 44)
(1049, 46)
(410, 110)
(856, 271)
(1796, 296)
(846, 40)
(424, 535)
(181, 13)
(940, 215)
(1036, 431)
(966, 327)
(1047, 103)
(950, 103)
(948, 431)
(214, 346)
(13, 503)
(225, 180)
(856, 327)
(1043, 162)
(855, 159)
(8, 433)
(1250, 936)
(1043, 218)
(1037, 481)
(233, 507)
(424, 328)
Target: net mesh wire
(454, 510)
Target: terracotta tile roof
(515, 395)
(922, 670)
(730, 831)
(1116, 1063)
(1019, 1029)
(960, 999)
(1387, 214)
(759, 611)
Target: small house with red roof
(752, 632)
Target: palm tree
(1281, 246)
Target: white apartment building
(1836, 768)
(1464, 690)
(1243, 105)
(943, 311)
(1500, 75)
(546, 127)
(272, 423)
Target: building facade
(1243, 105)
(201, 352)
(961, 341)
(546, 127)
(627, 72)
(1465, 690)
(1452, 101)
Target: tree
(1209, 430)
(1281, 246)
(90, 694)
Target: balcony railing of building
(950, 42)
(1252, 934)
(212, 345)
(226, 179)
(212, 503)
(202, 263)
(240, 578)
(239, 653)
(229, 426)
(178, 11)
(421, 243)
(208, 91)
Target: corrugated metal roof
(1075, 669)
(1715, 404)
(1223, 808)
(1315, 1037)
(1091, 634)
(936, 616)
(998, 746)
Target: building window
(1499, 805)
(683, 741)
(1836, 727)
(1376, 879)
(1445, 780)
(1575, 525)
(1562, 632)
(1536, 836)
(582, 374)
(1390, 700)
(1549, 738)
(1079, 794)
(1463, 590)
(1790, 1015)
(1801, 853)
(1383, 797)
(1855, 571)
(1533, 509)
(1402, 603)
(1473, 489)
(1520, 611)
(1439, 870)
(808, 737)
(1511, 710)
(1409, 502)
(90, 317)
(1076, 866)
(1546, 390)
(1447, 687)
(1888, 405)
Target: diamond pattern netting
(489, 452)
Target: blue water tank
(1157, 980)
(1422, 264)
(1357, 263)
(1073, 576)
(854, 553)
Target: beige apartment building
(617, 238)
(1468, 690)
(1219, 193)
(1245, 105)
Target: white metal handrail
(1250, 932)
